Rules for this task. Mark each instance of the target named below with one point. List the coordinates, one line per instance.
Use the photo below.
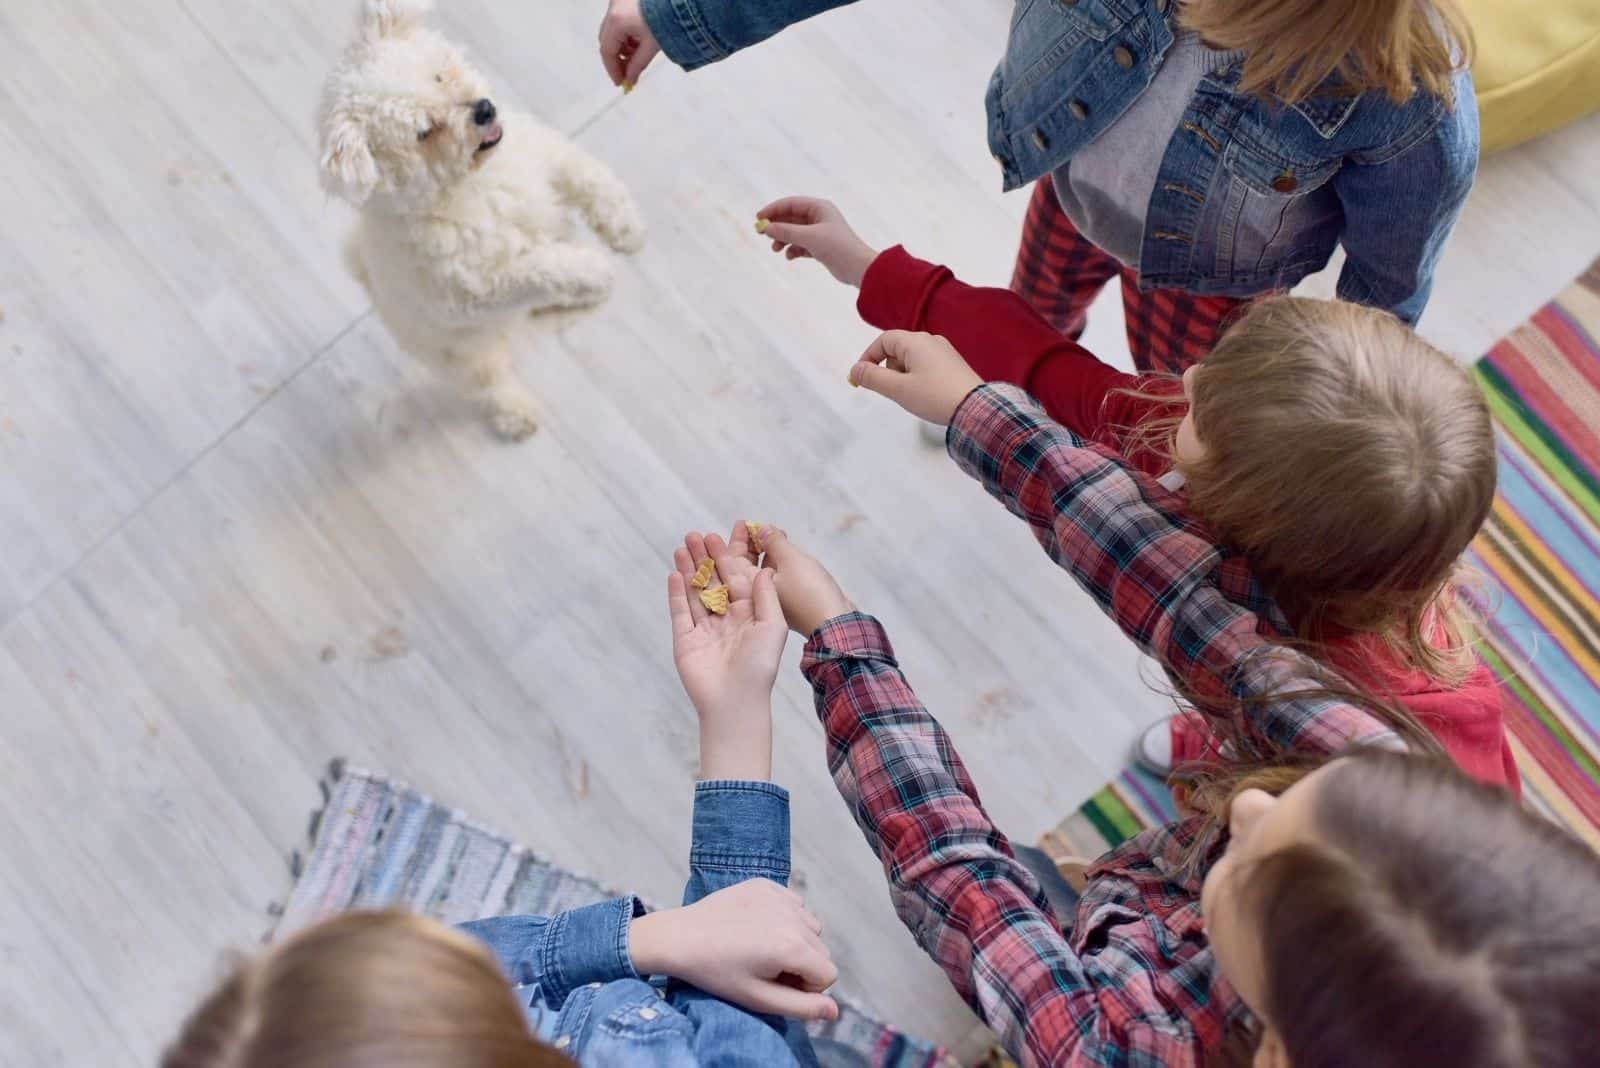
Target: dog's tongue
(492, 138)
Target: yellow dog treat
(702, 577)
(762, 224)
(716, 600)
(754, 530)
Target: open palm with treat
(727, 663)
(807, 593)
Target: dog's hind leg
(506, 401)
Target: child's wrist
(736, 744)
(650, 940)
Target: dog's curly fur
(465, 225)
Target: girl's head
(1349, 460)
(1386, 911)
(1294, 46)
(364, 990)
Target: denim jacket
(574, 973)
(1252, 196)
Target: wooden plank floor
(240, 534)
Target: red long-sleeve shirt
(1004, 340)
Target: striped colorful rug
(1541, 550)
(1540, 557)
(377, 843)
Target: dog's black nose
(483, 112)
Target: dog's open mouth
(492, 138)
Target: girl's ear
(348, 169)
(1271, 1052)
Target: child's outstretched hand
(727, 665)
(922, 373)
(626, 44)
(812, 228)
(808, 593)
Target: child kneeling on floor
(391, 988)
(1324, 467)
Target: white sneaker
(1153, 750)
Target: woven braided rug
(376, 843)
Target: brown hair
(364, 990)
(1352, 463)
(1432, 921)
(1296, 47)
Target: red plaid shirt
(1135, 983)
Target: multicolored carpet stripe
(1540, 550)
(1539, 559)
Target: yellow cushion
(1538, 65)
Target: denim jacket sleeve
(563, 952)
(694, 33)
(1399, 211)
(741, 832)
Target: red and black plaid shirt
(1135, 983)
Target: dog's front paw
(623, 228)
(512, 413)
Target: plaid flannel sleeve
(1123, 536)
(954, 881)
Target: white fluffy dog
(465, 212)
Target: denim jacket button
(647, 1014)
(1285, 183)
(1123, 56)
(1079, 109)
(1041, 140)
(563, 1042)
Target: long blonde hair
(364, 990)
(1295, 47)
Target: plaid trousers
(1059, 272)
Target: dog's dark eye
(425, 134)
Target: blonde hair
(364, 990)
(1352, 463)
(1294, 47)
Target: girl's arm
(976, 910)
(1004, 339)
(694, 33)
(1399, 211)
(1132, 546)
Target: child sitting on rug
(1206, 152)
(391, 988)
(1367, 908)
(1339, 463)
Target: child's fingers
(678, 605)
(613, 42)
(764, 595)
(884, 381)
(696, 544)
(790, 209)
(783, 233)
(796, 253)
(736, 570)
(739, 541)
(642, 54)
(685, 564)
